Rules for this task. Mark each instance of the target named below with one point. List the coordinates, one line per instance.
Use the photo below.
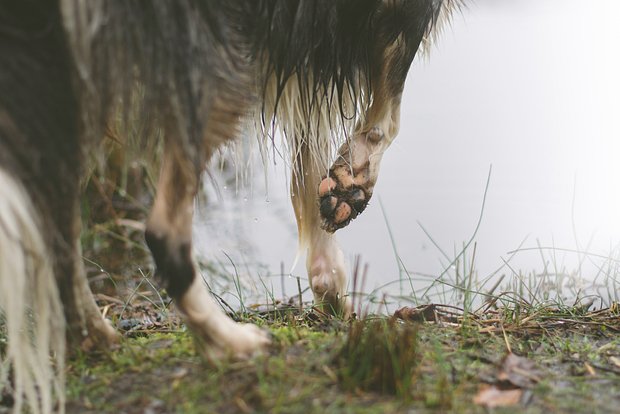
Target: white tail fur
(32, 363)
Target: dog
(326, 74)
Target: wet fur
(314, 70)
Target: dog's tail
(32, 334)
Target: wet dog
(327, 74)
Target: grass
(375, 365)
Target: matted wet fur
(327, 74)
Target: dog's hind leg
(169, 236)
(344, 193)
(325, 261)
(86, 326)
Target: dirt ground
(428, 359)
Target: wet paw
(345, 192)
(341, 205)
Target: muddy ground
(545, 360)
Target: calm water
(527, 86)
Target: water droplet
(225, 187)
(267, 201)
(256, 219)
(245, 199)
(334, 271)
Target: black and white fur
(328, 74)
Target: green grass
(377, 365)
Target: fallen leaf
(514, 374)
(517, 371)
(615, 360)
(490, 396)
(591, 372)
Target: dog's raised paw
(345, 192)
(340, 206)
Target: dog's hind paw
(218, 336)
(237, 341)
(345, 192)
(97, 335)
(249, 340)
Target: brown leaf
(517, 371)
(615, 360)
(490, 396)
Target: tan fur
(325, 260)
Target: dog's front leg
(325, 261)
(345, 191)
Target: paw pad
(339, 206)
(345, 192)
